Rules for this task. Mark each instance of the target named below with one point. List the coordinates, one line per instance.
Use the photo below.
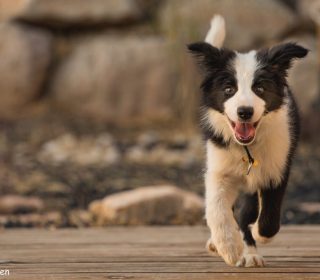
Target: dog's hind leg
(246, 213)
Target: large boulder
(25, 56)
(148, 205)
(9, 8)
(70, 13)
(309, 10)
(116, 78)
(248, 22)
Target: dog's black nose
(245, 113)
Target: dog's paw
(257, 237)
(230, 253)
(251, 260)
(211, 248)
(231, 250)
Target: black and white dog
(249, 119)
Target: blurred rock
(149, 7)
(310, 207)
(304, 75)
(84, 151)
(9, 8)
(118, 79)
(149, 205)
(162, 155)
(66, 13)
(177, 150)
(34, 182)
(25, 57)
(292, 4)
(193, 209)
(248, 22)
(310, 9)
(14, 204)
(55, 189)
(79, 218)
(50, 219)
(148, 139)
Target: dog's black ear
(208, 57)
(281, 56)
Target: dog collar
(251, 161)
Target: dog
(250, 122)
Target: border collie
(251, 126)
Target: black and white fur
(254, 80)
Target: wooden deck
(149, 253)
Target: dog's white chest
(270, 150)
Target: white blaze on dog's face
(241, 88)
(244, 108)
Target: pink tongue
(244, 131)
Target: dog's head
(243, 87)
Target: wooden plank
(149, 253)
(136, 234)
(164, 267)
(168, 276)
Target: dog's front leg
(225, 236)
(268, 222)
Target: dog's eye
(259, 90)
(229, 91)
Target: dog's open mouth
(244, 131)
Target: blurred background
(100, 97)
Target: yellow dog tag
(255, 163)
